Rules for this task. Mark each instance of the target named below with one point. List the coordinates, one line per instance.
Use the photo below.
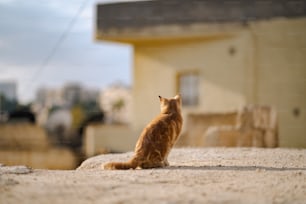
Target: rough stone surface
(14, 169)
(207, 175)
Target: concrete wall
(267, 67)
(28, 144)
(281, 75)
(22, 136)
(100, 139)
(225, 79)
(51, 158)
(197, 125)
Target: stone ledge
(280, 158)
(212, 175)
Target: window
(188, 87)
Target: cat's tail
(132, 164)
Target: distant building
(45, 99)
(116, 102)
(72, 93)
(8, 90)
(49, 97)
(64, 97)
(89, 94)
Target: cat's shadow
(234, 168)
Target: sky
(48, 43)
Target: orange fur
(157, 139)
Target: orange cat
(157, 139)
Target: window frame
(179, 76)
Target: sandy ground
(211, 175)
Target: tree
(117, 106)
(78, 115)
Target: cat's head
(171, 105)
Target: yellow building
(219, 55)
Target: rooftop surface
(160, 12)
(204, 175)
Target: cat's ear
(177, 97)
(160, 98)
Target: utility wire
(56, 46)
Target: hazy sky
(30, 30)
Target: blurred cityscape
(61, 113)
(69, 105)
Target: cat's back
(164, 121)
(160, 128)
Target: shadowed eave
(177, 19)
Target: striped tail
(132, 164)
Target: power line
(56, 46)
